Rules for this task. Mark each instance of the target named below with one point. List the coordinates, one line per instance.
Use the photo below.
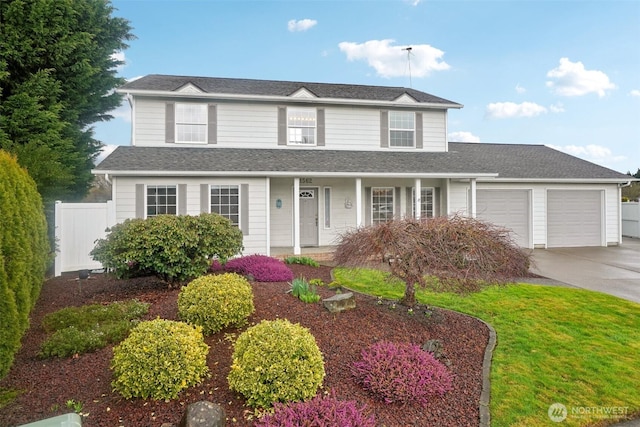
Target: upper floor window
(382, 204)
(401, 129)
(162, 199)
(225, 201)
(426, 202)
(301, 124)
(191, 123)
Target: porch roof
(463, 160)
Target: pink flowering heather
(318, 412)
(263, 268)
(401, 372)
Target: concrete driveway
(613, 270)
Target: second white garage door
(506, 208)
(574, 218)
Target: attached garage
(509, 209)
(574, 218)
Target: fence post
(57, 238)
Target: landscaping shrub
(88, 316)
(159, 359)
(216, 301)
(276, 361)
(301, 289)
(261, 267)
(320, 411)
(174, 248)
(401, 372)
(302, 260)
(24, 254)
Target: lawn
(555, 345)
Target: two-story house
(295, 164)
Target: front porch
(318, 253)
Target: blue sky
(560, 73)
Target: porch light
(279, 203)
(347, 203)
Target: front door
(308, 216)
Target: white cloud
(391, 61)
(301, 25)
(557, 108)
(120, 57)
(122, 112)
(593, 153)
(572, 79)
(463, 136)
(635, 92)
(520, 89)
(505, 110)
(106, 150)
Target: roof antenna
(408, 49)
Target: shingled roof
(483, 160)
(249, 87)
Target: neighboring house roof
(249, 87)
(480, 160)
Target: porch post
(358, 202)
(267, 192)
(296, 216)
(473, 198)
(418, 201)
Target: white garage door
(574, 218)
(508, 209)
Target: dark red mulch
(49, 384)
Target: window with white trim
(301, 126)
(382, 204)
(426, 202)
(225, 201)
(162, 199)
(402, 127)
(191, 123)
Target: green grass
(555, 344)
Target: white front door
(308, 216)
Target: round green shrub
(159, 359)
(216, 301)
(24, 254)
(276, 361)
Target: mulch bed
(47, 385)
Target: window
(401, 129)
(225, 200)
(161, 199)
(381, 204)
(301, 124)
(426, 202)
(327, 207)
(191, 123)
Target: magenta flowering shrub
(401, 372)
(263, 268)
(319, 411)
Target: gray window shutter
(419, 134)
(282, 126)
(170, 122)
(182, 199)
(140, 198)
(436, 202)
(367, 206)
(409, 203)
(320, 125)
(212, 117)
(204, 198)
(397, 208)
(384, 129)
(244, 209)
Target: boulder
(340, 302)
(203, 414)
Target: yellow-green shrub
(276, 361)
(216, 301)
(159, 359)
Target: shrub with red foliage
(261, 267)
(319, 411)
(402, 372)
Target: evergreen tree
(57, 75)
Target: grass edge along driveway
(555, 345)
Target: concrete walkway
(613, 270)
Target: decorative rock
(203, 414)
(340, 302)
(434, 347)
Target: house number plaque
(306, 180)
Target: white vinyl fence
(78, 226)
(631, 219)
